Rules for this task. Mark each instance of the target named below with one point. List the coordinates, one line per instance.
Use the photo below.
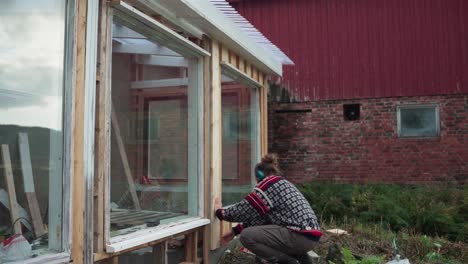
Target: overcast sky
(31, 62)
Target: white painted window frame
(232, 72)
(124, 13)
(64, 245)
(418, 106)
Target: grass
(428, 223)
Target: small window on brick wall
(351, 112)
(418, 120)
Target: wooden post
(160, 253)
(216, 141)
(28, 183)
(102, 134)
(191, 247)
(206, 43)
(77, 251)
(10, 186)
(264, 116)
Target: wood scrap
(10, 184)
(28, 183)
(124, 158)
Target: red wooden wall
(346, 49)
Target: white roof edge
(223, 29)
(250, 30)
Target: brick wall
(315, 142)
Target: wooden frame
(208, 102)
(78, 224)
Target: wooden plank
(77, 136)
(224, 54)
(241, 65)
(206, 245)
(191, 247)
(160, 253)
(216, 141)
(206, 44)
(10, 186)
(102, 134)
(264, 116)
(28, 183)
(124, 158)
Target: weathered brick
(321, 145)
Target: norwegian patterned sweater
(273, 201)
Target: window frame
(232, 72)
(132, 18)
(435, 107)
(64, 241)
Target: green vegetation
(430, 210)
(429, 223)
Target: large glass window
(32, 40)
(241, 139)
(155, 132)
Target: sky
(31, 62)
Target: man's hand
(227, 238)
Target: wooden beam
(77, 136)
(124, 159)
(28, 183)
(10, 186)
(102, 135)
(216, 141)
(140, 46)
(165, 83)
(158, 60)
(191, 247)
(160, 253)
(175, 82)
(206, 44)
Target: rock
(310, 258)
(402, 261)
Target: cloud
(31, 55)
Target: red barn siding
(346, 49)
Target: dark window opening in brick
(351, 112)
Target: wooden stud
(216, 142)
(102, 127)
(28, 183)
(206, 248)
(10, 186)
(160, 253)
(224, 54)
(124, 158)
(248, 69)
(206, 44)
(241, 65)
(191, 247)
(78, 137)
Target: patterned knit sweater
(273, 201)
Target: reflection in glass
(151, 175)
(241, 124)
(419, 121)
(31, 90)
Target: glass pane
(153, 178)
(418, 121)
(241, 125)
(31, 90)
